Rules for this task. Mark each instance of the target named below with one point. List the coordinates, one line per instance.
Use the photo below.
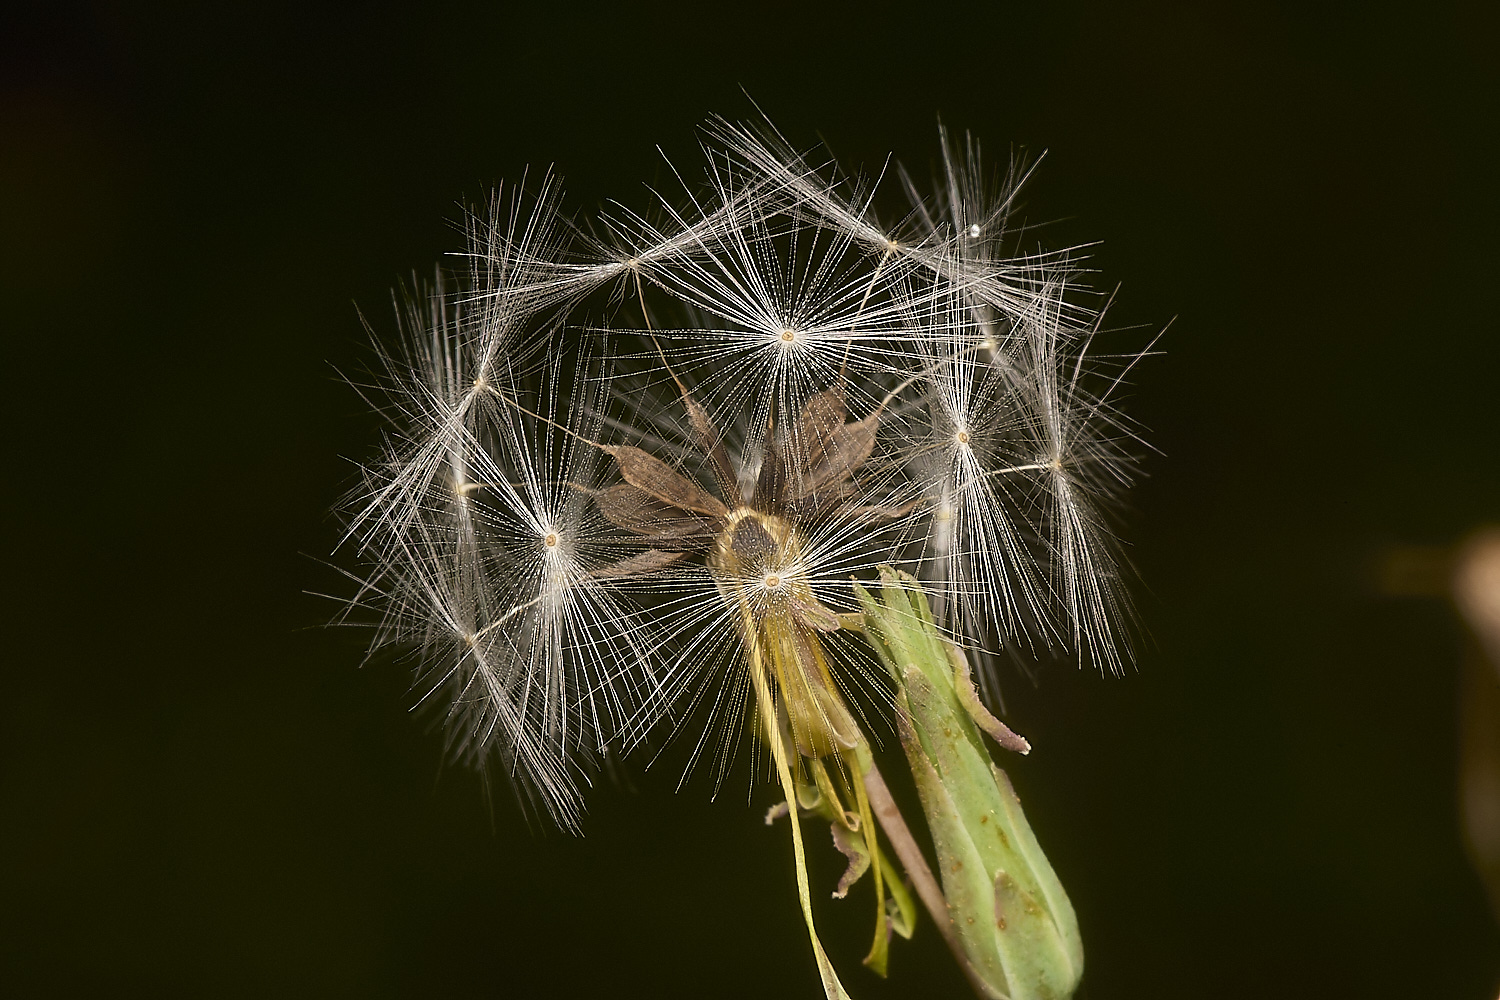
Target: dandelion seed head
(614, 448)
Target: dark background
(202, 794)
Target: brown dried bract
(806, 475)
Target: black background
(201, 794)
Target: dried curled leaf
(637, 511)
(852, 846)
(821, 418)
(844, 452)
(963, 686)
(711, 443)
(649, 473)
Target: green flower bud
(1007, 907)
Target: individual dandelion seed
(822, 195)
(976, 554)
(795, 308)
(454, 342)
(1081, 443)
(782, 308)
(1024, 462)
(816, 192)
(1023, 449)
(491, 561)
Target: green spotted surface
(1011, 915)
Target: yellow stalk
(845, 818)
(880, 949)
(831, 985)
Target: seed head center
(788, 336)
(757, 552)
(551, 540)
(962, 437)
